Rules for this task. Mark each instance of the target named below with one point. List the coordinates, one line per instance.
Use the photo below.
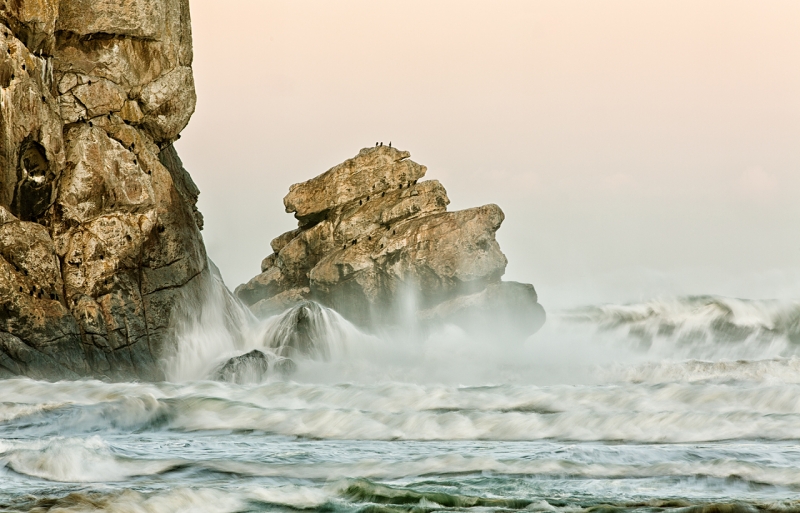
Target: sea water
(666, 405)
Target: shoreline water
(635, 430)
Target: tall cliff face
(99, 230)
(374, 241)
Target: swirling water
(666, 405)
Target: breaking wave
(220, 327)
(692, 338)
(687, 404)
(675, 412)
(84, 460)
(701, 326)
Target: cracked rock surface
(371, 235)
(99, 229)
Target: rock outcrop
(373, 238)
(99, 230)
(252, 367)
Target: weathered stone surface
(33, 310)
(143, 47)
(131, 112)
(372, 171)
(19, 359)
(183, 181)
(100, 229)
(371, 236)
(32, 21)
(100, 97)
(31, 143)
(136, 18)
(102, 177)
(168, 102)
(432, 257)
(280, 242)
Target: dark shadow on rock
(252, 367)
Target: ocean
(677, 404)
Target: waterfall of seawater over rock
(219, 327)
(217, 336)
(315, 344)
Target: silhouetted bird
(390, 144)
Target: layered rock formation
(373, 239)
(99, 232)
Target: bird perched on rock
(390, 144)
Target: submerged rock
(373, 239)
(100, 234)
(302, 331)
(252, 367)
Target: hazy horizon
(636, 148)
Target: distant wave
(701, 326)
(776, 370)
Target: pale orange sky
(637, 148)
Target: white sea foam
(221, 327)
(86, 461)
(294, 496)
(83, 460)
(576, 346)
(450, 464)
(181, 500)
(701, 327)
(662, 412)
(700, 396)
(775, 371)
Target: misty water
(662, 405)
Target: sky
(638, 149)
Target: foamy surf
(683, 405)
(676, 411)
(77, 460)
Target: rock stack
(374, 240)
(99, 232)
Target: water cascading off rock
(378, 245)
